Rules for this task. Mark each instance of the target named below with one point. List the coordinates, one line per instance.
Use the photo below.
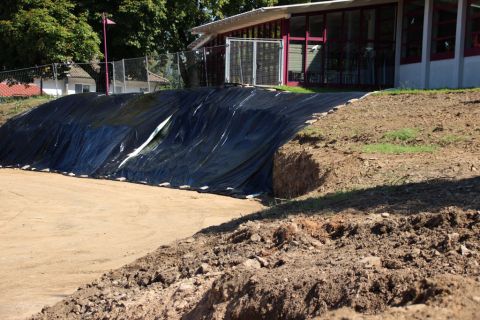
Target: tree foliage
(44, 31)
(40, 32)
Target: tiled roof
(77, 72)
(18, 90)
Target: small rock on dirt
(371, 262)
(204, 268)
(256, 237)
(252, 264)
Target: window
(315, 26)
(296, 61)
(334, 26)
(314, 65)
(345, 47)
(412, 31)
(472, 37)
(81, 88)
(297, 26)
(444, 24)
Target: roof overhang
(266, 14)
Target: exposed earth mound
(390, 229)
(409, 251)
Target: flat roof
(266, 14)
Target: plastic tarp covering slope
(220, 140)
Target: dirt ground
(371, 235)
(58, 232)
(332, 148)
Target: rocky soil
(378, 236)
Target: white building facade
(366, 43)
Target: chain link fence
(250, 62)
(254, 61)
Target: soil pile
(411, 251)
(390, 229)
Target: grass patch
(428, 91)
(389, 148)
(314, 90)
(404, 135)
(10, 107)
(452, 139)
(311, 133)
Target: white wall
(49, 86)
(409, 75)
(441, 74)
(471, 71)
(72, 82)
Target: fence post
(254, 67)
(227, 61)
(205, 64)
(146, 68)
(124, 83)
(113, 75)
(178, 69)
(56, 78)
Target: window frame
(360, 41)
(403, 42)
(469, 52)
(443, 55)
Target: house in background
(77, 80)
(364, 43)
(130, 84)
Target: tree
(35, 32)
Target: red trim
(416, 13)
(475, 51)
(409, 60)
(437, 8)
(472, 52)
(285, 35)
(442, 56)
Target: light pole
(106, 21)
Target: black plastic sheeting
(220, 140)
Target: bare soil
(409, 251)
(449, 121)
(371, 236)
(58, 232)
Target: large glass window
(412, 30)
(315, 62)
(315, 26)
(345, 47)
(296, 61)
(444, 24)
(297, 26)
(334, 25)
(352, 24)
(472, 37)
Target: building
(18, 90)
(365, 43)
(78, 80)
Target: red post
(104, 21)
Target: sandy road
(57, 232)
